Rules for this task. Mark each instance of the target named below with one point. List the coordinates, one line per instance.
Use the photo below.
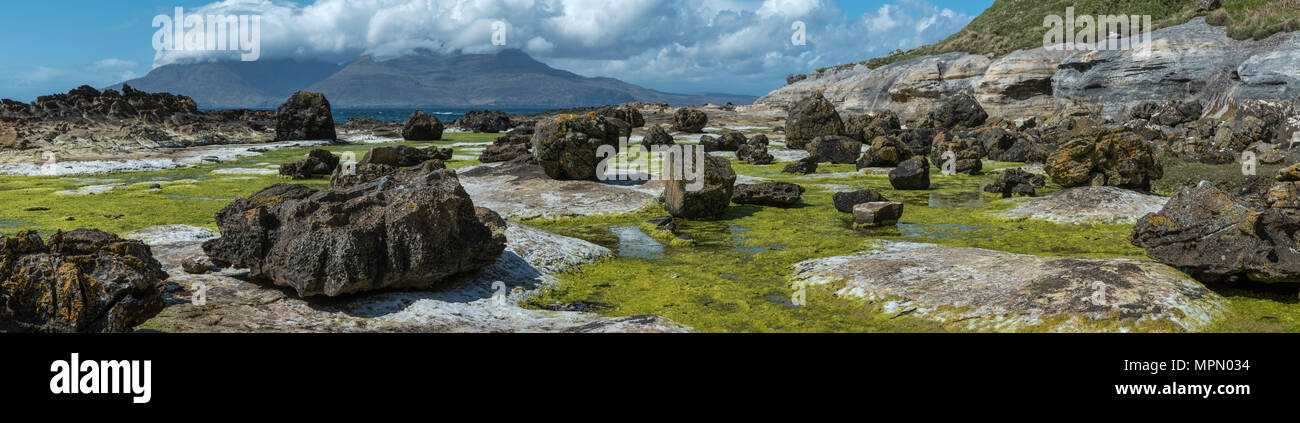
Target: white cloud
(682, 45)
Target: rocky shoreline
(916, 210)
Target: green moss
(190, 196)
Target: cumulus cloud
(682, 45)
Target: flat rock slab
(1091, 204)
(988, 290)
(524, 191)
(476, 303)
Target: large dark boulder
(490, 121)
(626, 112)
(918, 140)
(959, 111)
(409, 230)
(656, 135)
(885, 151)
(404, 156)
(84, 280)
(566, 146)
(1213, 236)
(711, 200)
(421, 126)
(729, 141)
(305, 116)
(1117, 158)
(754, 153)
(318, 162)
(689, 120)
(835, 149)
(1016, 182)
(865, 128)
(911, 174)
(812, 117)
(804, 166)
(365, 172)
(776, 194)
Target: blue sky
(738, 46)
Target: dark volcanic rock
(626, 112)
(690, 120)
(404, 156)
(318, 162)
(566, 146)
(813, 117)
(84, 280)
(885, 151)
(503, 152)
(865, 128)
(754, 153)
(304, 116)
(481, 121)
(1016, 182)
(1207, 233)
(844, 201)
(711, 200)
(778, 194)
(409, 230)
(421, 126)
(348, 176)
(911, 174)
(835, 149)
(918, 140)
(958, 111)
(804, 166)
(729, 141)
(1115, 158)
(657, 135)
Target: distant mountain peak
(507, 78)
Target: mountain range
(510, 78)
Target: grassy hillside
(1010, 25)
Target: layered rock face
(1195, 57)
(421, 126)
(566, 146)
(409, 230)
(305, 116)
(84, 280)
(1213, 236)
(86, 120)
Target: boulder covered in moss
(304, 116)
(709, 200)
(813, 117)
(84, 280)
(1213, 236)
(421, 126)
(1119, 158)
(967, 152)
(566, 146)
(885, 151)
(409, 230)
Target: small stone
(877, 213)
(197, 264)
(155, 186)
